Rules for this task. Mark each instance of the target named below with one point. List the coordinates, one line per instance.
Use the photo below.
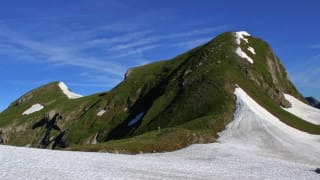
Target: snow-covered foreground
(217, 161)
(256, 145)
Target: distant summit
(313, 102)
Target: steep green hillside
(161, 106)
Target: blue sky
(90, 44)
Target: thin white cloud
(69, 48)
(139, 46)
(135, 51)
(307, 74)
(44, 18)
(63, 55)
(314, 46)
(309, 78)
(130, 45)
(90, 85)
(28, 83)
(91, 43)
(192, 43)
(210, 30)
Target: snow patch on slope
(251, 50)
(33, 108)
(136, 119)
(302, 110)
(244, 55)
(242, 35)
(101, 112)
(67, 92)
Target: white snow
(101, 112)
(302, 110)
(244, 55)
(251, 50)
(242, 35)
(258, 131)
(67, 92)
(136, 119)
(255, 145)
(33, 108)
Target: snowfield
(33, 108)
(255, 129)
(255, 145)
(303, 110)
(67, 92)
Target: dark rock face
(278, 84)
(50, 124)
(22, 99)
(1, 139)
(313, 102)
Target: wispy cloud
(151, 41)
(134, 51)
(192, 43)
(131, 44)
(105, 51)
(210, 30)
(28, 83)
(307, 74)
(100, 85)
(91, 43)
(121, 46)
(314, 46)
(61, 54)
(44, 18)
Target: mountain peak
(241, 38)
(313, 102)
(190, 96)
(241, 35)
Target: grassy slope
(47, 95)
(53, 99)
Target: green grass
(155, 141)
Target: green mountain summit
(161, 106)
